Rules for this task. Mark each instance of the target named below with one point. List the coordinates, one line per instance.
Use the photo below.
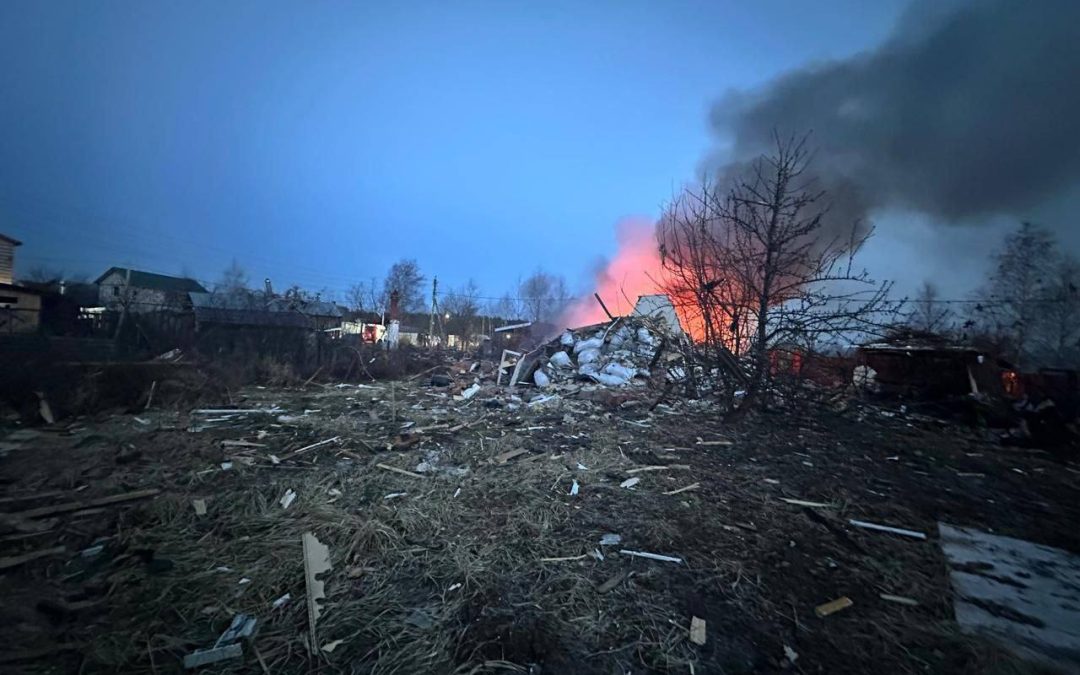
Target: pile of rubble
(627, 351)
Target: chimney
(395, 298)
(269, 290)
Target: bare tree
(41, 274)
(543, 296)
(405, 278)
(928, 312)
(464, 301)
(1057, 341)
(364, 296)
(1015, 294)
(505, 308)
(763, 264)
(234, 280)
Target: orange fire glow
(635, 270)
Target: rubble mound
(622, 353)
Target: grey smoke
(968, 110)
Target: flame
(635, 270)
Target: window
(116, 291)
(9, 300)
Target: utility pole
(434, 307)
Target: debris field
(406, 527)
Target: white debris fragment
(611, 540)
(395, 495)
(281, 602)
(288, 498)
(560, 360)
(225, 466)
(630, 482)
(582, 467)
(541, 379)
(574, 489)
(651, 556)
(595, 343)
(790, 654)
(588, 356)
(470, 392)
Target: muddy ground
(483, 561)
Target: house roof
(254, 309)
(156, 282)
(10, 240)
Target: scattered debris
(282, 601)
(651, 556)
(660, 467)
(287, 499)
(812, 505)
(227, 646)
(630, 482)
(692, 486)
(833, 606)
(885, 528)
(331, 646)
(790, 654)
(200, 506)
(697, 631)
(403, 472)
(611, 540)
(574, 489)
(316, 562)
(898, 599)
(719, 442)
(509, 455)
(306, 448)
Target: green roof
(157, 282)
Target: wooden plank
(387, 467)
(803, 502)
(885, 528)
(659, 467)
(85, 504)
(32, 497)
(899, 599)
(509, 455)
(834, 606)
(692, 486)
(16, 560)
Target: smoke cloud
(968, 110)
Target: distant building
(144, 292)
(254, 309)
(20, 307)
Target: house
(260, 310)
(20, 307)
(924, 366)
(139, 292)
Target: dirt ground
(483, 560)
